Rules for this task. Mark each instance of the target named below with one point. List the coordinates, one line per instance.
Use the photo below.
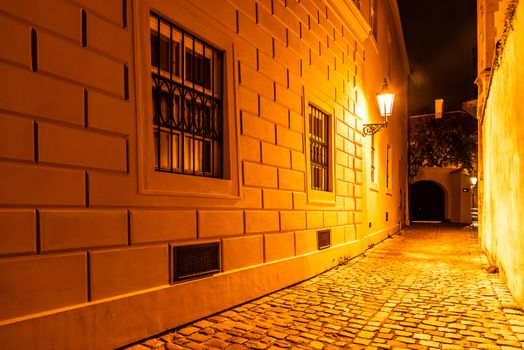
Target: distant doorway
(427, 201)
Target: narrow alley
(428, 287)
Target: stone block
(18, 231)
(276, 155)
(63, 145)
(37, 185)
(15, 41)
(16, 138)
(119, 271)
(260, 175)
(291, 180)
(248, 101)
(277, 199)
(315, 219)
(274, 112)
(109, 113)
(234, 252)
(338, 235)
(262, 221)
(109, 38)
(39, 283)
(290, 138)
(288, 98)
(110, 10)
(218, 223)
(66, 103)
(255, 81)
(298, 161)
(84, 228)
(162, 225)
(349, 233)
(79, 64)
(306, 241)
(258, 128)
(272, 68)
(330, 218)
(43, 14)
(279, 246)
(292, 220)
(250, 31)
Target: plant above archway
(450, 141)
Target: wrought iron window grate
(372, 165)
(187, 79)
(319, 148)
(195, 260)
(324, 239)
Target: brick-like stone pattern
(68, 137)
(426, 288)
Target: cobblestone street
(426, 288)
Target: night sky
(441, 42)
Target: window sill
(373, 186)
(321, 197)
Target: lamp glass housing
(473, 180)
(385, 100)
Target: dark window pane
(319, 148)
(187, 101)
(198, 69)
(164, 51)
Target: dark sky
(441, 42)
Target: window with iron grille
(187, 79)
(388, 167)
(373, 160)
(319, 148)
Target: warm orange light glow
(473, 180)
(385, 100)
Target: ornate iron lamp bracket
(370, 129)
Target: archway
(427, 201)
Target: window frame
(319, 148)
(216, 34)
(194, 122)
(374, 164)
(389, 169)
(317, 196)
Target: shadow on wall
(427, 200)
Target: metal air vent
(324, 239)
(196, 260)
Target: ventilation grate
(195, 260)
(324, 239)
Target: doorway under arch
(427, 201)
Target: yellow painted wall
(502, 214)
(86, 224)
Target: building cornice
(400, 35)
(351, 16)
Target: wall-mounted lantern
(473, 180)
(385, 102)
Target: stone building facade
(163, 160)
(501, 147)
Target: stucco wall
(86, 224)
(502, 216)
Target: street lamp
(385, 99)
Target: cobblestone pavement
(427, 288)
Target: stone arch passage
(427, 201)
